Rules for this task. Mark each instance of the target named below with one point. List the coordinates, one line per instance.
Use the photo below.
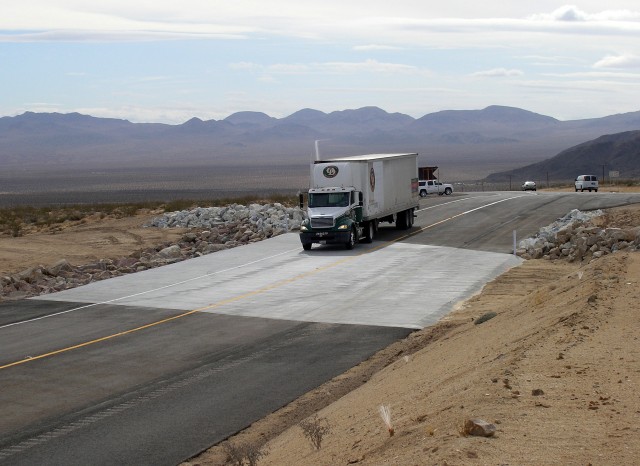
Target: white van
(588, 182)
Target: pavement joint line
(233, 299)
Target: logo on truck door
(330, 171)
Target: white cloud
(618, 61)
(396, 25)
(572, 13)
(564, 13)
(498, 73)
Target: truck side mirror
(301, 199)
(360, 199)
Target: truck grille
(321, 222)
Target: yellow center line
(258, 291)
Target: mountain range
(465, 144)
(618, 153)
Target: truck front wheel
(306, 246)
(448, 191)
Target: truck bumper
(325, 237)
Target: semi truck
(350, 196)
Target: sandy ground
(556, 371)
(82, 242)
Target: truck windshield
(328, 199)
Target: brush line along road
(154, 367)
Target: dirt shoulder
(82, 241)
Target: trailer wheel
(401, 220)
(306, 246)
(352, 239)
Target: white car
(434, 187)
(529, 186)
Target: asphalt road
(154, 367)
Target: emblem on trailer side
(330, 171)
(372, 179)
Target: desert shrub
(314, 429)
(238, 454)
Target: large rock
(60, 266)
(30, 275)
(171, 252)
(479, 428)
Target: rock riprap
(574, 238)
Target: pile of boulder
(211, 229)
(575, 238)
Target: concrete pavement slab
(388, 284)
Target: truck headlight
(344, 226)
(303, 227)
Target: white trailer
(349, 196)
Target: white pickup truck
(432, 187)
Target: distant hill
(465, 144)
(612, 152)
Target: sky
(168, 61)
